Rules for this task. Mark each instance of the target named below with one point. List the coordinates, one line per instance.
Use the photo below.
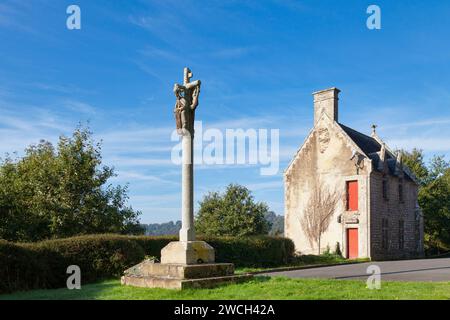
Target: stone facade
(333, 155)
(396, 212)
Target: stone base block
(172, 283)
(148, 268)
(181, 276)
(187, 252)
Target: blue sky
(259, 62)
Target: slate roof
(367, 144)
(370, 147)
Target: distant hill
(162, 229)
(172, 228)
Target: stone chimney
(326, 101)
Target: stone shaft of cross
(188, 104)
(187, 232)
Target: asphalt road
(402, 270)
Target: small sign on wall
(352, 220)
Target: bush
(337, 250)
(44, 264)
(261, 251)
(26, 266)
(18, 268)
(152, 245)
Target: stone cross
(186, 103)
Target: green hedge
(25, 266)
(259, 251)
(44, 264)
(254, 251)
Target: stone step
(181, 271)
(173, 283)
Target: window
(384, 233)
(401, 234)
(385, 188)
(400, 190)
(352, 195)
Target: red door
(352, 243)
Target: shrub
(18, 268)
(261, 251)
(258, 251)
(337, 250)
(152, 245)
(25, 266)
(44, 264)
(98, 256)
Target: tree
(232, 213)
(318, 213)
(414, 161)
(433, 197)
(62, 192)
(276, 222)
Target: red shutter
(352, 243)
(352, 195)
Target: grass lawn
(260, 288)
(307, 260)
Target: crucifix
(187, 263)
(186, 103)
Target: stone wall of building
(326, 158)
(394, 211)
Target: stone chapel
(372, 194)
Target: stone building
(375, 213)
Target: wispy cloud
(228, 53)
(139, 162)
(150, 70)
(18, 131)
(16, 15)
(430, 144)
(8, 13)
(266, 185)
(158, 53)
(163, 23)
(128, 135)
(421, 123)
(431, 135)
(128, 176)
(79, 106)
(59, 88)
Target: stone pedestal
(184, 264)
(149, 274)
(187, 252)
